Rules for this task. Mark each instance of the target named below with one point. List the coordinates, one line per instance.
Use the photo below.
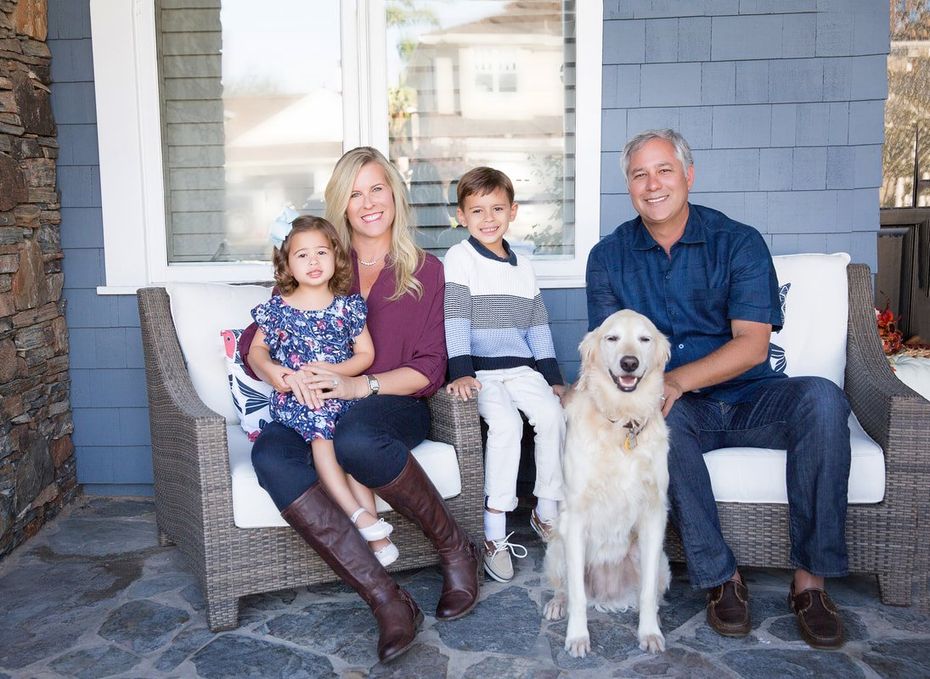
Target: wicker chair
(888, 539)
(193, 492)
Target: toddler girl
(312, 322)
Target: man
(709, 284)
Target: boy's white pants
(503, 393)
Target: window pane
(907, 111)
(485, 83)
(252, 119)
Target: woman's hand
(464, 387)
(304, 392)
(330, 384)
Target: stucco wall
(782, 102)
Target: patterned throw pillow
(249, 395)
(778, 358)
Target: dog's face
(628, 346)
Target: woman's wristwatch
(374, 386)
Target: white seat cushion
(253, 508)
(758, 474)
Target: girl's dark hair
(340, 283)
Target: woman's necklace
(372, 262)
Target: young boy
(500, 347)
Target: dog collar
(634, 429)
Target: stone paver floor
(93, 595)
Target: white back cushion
(815, 296)
(200, 312)
(816, 306)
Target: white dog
(608, 546)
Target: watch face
(373, 384)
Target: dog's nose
(629, 363)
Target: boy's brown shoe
(818, 620)
(728, 609)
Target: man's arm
(602, 301)
(748, 348)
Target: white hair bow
(281, 226)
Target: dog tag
(630, 442)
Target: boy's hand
(464, 387)
(560, 390)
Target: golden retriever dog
(607, 548)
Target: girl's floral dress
(295, 337)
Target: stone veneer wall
(37, 468)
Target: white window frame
(129, 137)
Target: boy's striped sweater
(495, 316)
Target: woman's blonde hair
(339, 284)
(406, 256)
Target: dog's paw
(653, 643)
(578, 647)
(555, 609)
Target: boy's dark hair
(340, 283)
(481, 181)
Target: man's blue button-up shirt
(719, 271)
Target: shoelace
(504, 543)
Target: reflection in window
(906, 152)
(252, 120)
(485, 83)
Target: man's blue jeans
(805, 415)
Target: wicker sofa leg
(895, 588)
(222, 613)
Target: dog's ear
(663, 351)
(588, 349)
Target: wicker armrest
(456, 422)
(189, 447)
(895, 416)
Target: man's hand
(464, 387)
(560, 390)
(670, 393)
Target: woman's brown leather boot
(414, 495)
(326, 528)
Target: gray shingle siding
(782, 102)
(111, 433)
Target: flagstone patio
(93, 595)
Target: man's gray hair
(682, 150)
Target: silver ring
(335, 383)
(664, 399)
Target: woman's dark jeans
(805, 415)
(372, 442)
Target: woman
(403, 286)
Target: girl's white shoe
(387, 555)
(376, 531)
